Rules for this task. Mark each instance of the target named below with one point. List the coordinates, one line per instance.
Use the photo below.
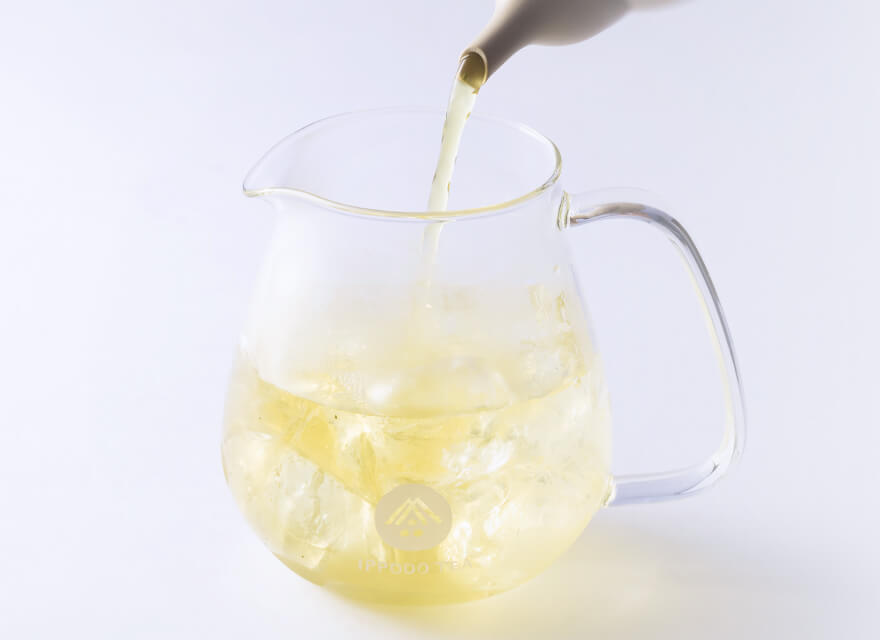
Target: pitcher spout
(275, 172)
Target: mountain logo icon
(413, 517)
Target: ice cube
(449, 386)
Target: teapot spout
(518, 23)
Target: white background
(127, 254)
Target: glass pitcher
(417, 413)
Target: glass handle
(652, 487)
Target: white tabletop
(128, 255)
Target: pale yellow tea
(436, 470)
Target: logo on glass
(413, 517)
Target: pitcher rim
(417, 215)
